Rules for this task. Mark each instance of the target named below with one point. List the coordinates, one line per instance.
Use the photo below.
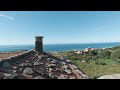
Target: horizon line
(63, 43)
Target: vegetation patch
(96, 63)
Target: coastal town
(82, 51)
(78, 52)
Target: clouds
(6, 16)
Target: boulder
(27, 61)
(68, 71)
(51, 75)
(54, 61)
(50, 69)
(80, 72)
(39, 57)
(28, 71)
(2, 75)
(40, 72)
(71, 77)
(52, 65)
(6, 65)
(74, 66)
(36, 63)
(38, 77)
(26, 64)
(48, 59)
(63, 77)
(63, 63)
(25, 76)
(11, 76)
(65, 67)
(68, 61)
(14, 67)
(8, 71)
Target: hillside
(97, 62)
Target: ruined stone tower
(39, 44)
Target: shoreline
(79, 49)
(58, 47)
(55, 51)
(19, 51)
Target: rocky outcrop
(32, 65)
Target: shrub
(106, 54)
(92, 53)
(116, 54)
(100, 63)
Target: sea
(58, 47)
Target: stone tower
(39, 44)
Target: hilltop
(34, 65)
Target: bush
(106, 54)
(92, 53)
(100, 63)
(117, 60)
(116, 54)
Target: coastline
(81, 49)
(58, 47)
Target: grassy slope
(92, 69)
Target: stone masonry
(39, 44)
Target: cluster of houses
(82, 51)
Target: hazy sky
(20, 27)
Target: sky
(59, 27)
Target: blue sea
(57, 47)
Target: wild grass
(91, 69)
